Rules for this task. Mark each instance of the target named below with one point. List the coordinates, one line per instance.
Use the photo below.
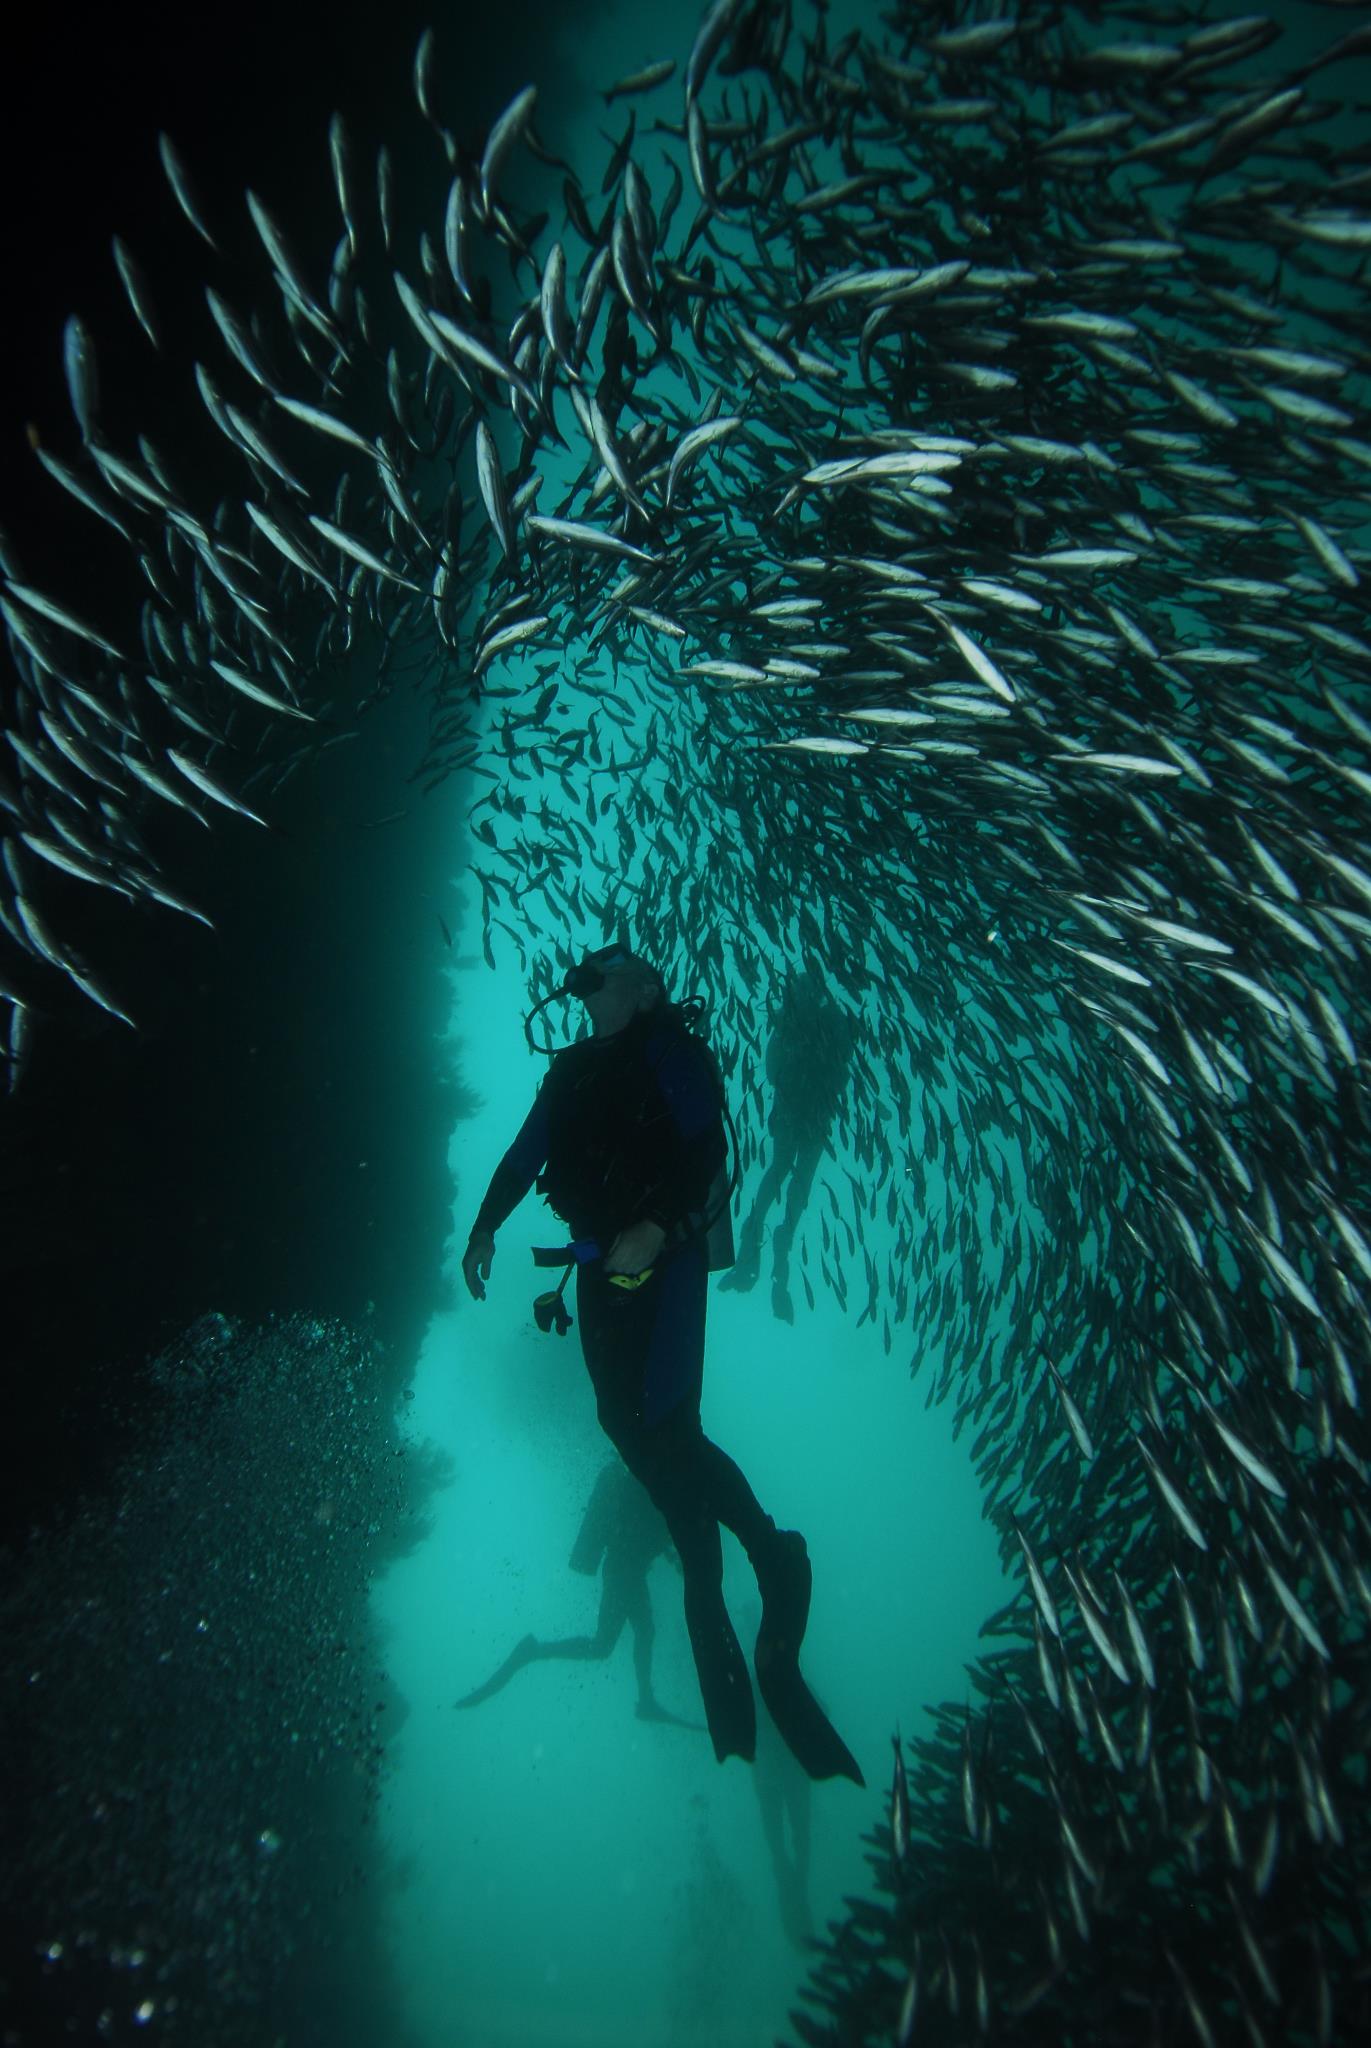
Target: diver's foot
(741, 1276)
(653, 1710)
(782, 1306)
(523, 1650)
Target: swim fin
(523, 1653)
(725, 1688)
(786, 1580)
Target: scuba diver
(807, 1059)
(622, 1529)
(626, 1141)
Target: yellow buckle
(629, 1280)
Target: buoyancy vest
(612, 1138)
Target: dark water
(272, 1144)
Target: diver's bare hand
(476, 1262)
(634, 1249)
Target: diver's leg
(773, 1828)
(523, 1653)
(697, 1486)
(723, 1484)
(800, 1813)
(614, 1612)
(673, 1381)
(776, 1794)
(798, 1802)
(638, 1608)
(806, 1159)
(720, 1665)
(725, 1687)
(532, 1650)
(646, 1354)
(608, 1629)
(678, 1455)
(745, 1268)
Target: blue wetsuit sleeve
(689, 1091)
(518, 1170)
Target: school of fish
(913, 513)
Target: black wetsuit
(625, 1128)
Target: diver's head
(615, 986)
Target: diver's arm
(517, 1171)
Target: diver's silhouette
(623, 1531)
(807, 1060)
(626, 1141)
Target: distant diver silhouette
(623, 1531)
(808, 1057)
